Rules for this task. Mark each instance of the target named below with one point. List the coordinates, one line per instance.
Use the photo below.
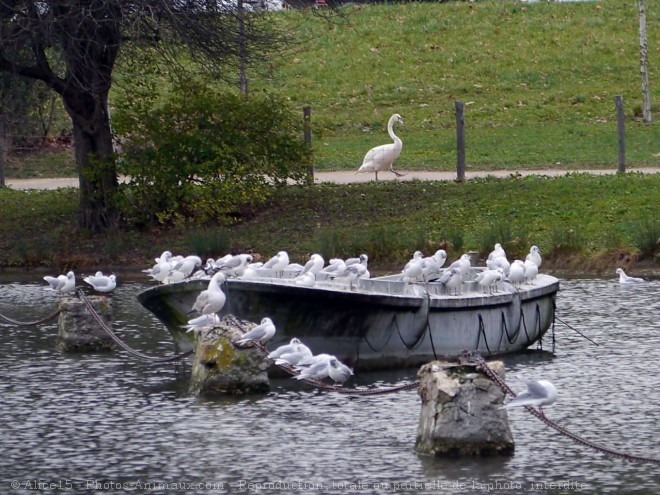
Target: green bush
(206, 156)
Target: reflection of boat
(382, 322)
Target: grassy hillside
(538, 82)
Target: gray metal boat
(377, 323)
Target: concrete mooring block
(461, 413)
(219, 367)
(78, 329)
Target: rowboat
(376, 323)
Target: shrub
(206, 156)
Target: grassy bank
(538, 82)
(579, 221)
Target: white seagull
(625, 279)
(497, 252)
(314, 265)
(183, 269)
(517, 273)
(102, 283)
(413, 268)
(534, 255)
(305, 280)
(488, 279)
(277, 263)
(261, 333)
(539, 393)
(463, 264)
(212, 299)
(382, 157)
(531, 271)
(202, 321)
(62, 283)
(452, 278)
(323, 366)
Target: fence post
(307, 127)
(460, 142)
(618, 100)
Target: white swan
(382, 157)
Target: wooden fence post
(460, 142)
(618, 100)
(3, 154)
(307, 128)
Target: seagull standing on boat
(183, 269)
(277, 263)
(62, 283)
(305, 280)
(162, 267)
(336, 265)
(431, 264)
(413, 268)
(517, 273)
(534, 255)
(499, 262)
(211, 300)
(314, 265)
(463, 264)
(531, 271)
(261, 333)
(363, 259)
(488, 279)
(625, 279)
(539, 393)
(352, 273)
(452, 279)
(497, 252)
(102, 283)
(235, 265)
(382, 157)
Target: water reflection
(106, 418)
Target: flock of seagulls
(66, 283)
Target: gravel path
(346, 177)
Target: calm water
(94, 422)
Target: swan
(382, 157)
(625, 279)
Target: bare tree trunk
(643, 51)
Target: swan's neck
(390, 131)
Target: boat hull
(381, 323)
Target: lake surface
(106, 422)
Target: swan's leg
(398, 174)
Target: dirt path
(346, 177)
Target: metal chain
(29, 323)
(120, 342)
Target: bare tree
(84, 38)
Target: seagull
(463, 264)
(182, 269)
(534, 255)
(306, 280)
(499, 262)
(277, 263)
(531, 271)
(382, 157)
(625, 279)
(235, 265)
(363, 259)
(323, 366)
(261, 333)
(452, 278)
(489, 278)
(314, 265)
(497, 252)
(539, 393)
(62, 283)
(102, 283)
(162, 267)
(413, 268)
(211, 300)
(517, 273)
(352, 273)
(202, 321)
(336, 265)
(292, 346)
